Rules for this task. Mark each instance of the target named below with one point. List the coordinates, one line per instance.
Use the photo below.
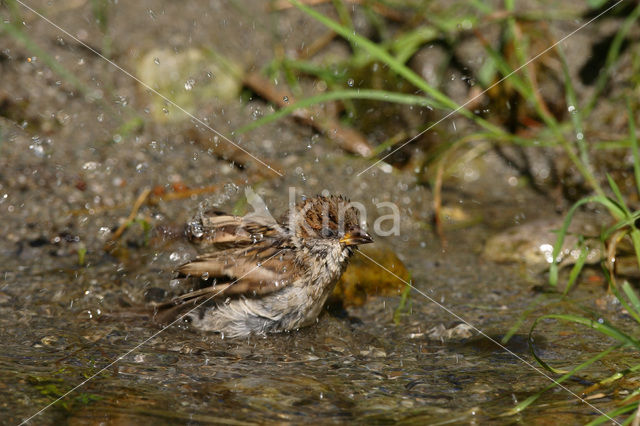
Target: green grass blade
(616, 211)
(520, 51)
(516, 326)
(616, 292)
(633, 298)
(621, 410)
(527, 402)
(505, 69)
(404, 301)
(574, 110)
(553, 269)
(633, 137)
(635, 239)
(633, 395)
(618, 194)
(481, 6)
(612, 57)
(600, 326)
(408, 44)
(332, 75)
(382, 55)
(577, 268)
(618, 375)
(634, 233)
(627, 222)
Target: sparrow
(265, 276)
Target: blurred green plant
(51, 387)
(146, 227)
(394, 53)
(82, 254)
(100, 10)
(626, 294)
(404, 306)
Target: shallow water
(56, 335)
(69, 183)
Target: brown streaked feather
(249, 272)
(222, 230)
(323, 216)
(257, 262)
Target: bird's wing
(251, 272)
(224, 231)
(254, 270)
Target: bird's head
(328, 218)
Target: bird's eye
(326, 232)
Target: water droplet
(188, 85)
(156, 61)
(205, 276)
(571, 108)
(350, 82)
(286, 99)
(37, 149)
(90, 165)
(195, 229)
(174, 256)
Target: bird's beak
(355, 237)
